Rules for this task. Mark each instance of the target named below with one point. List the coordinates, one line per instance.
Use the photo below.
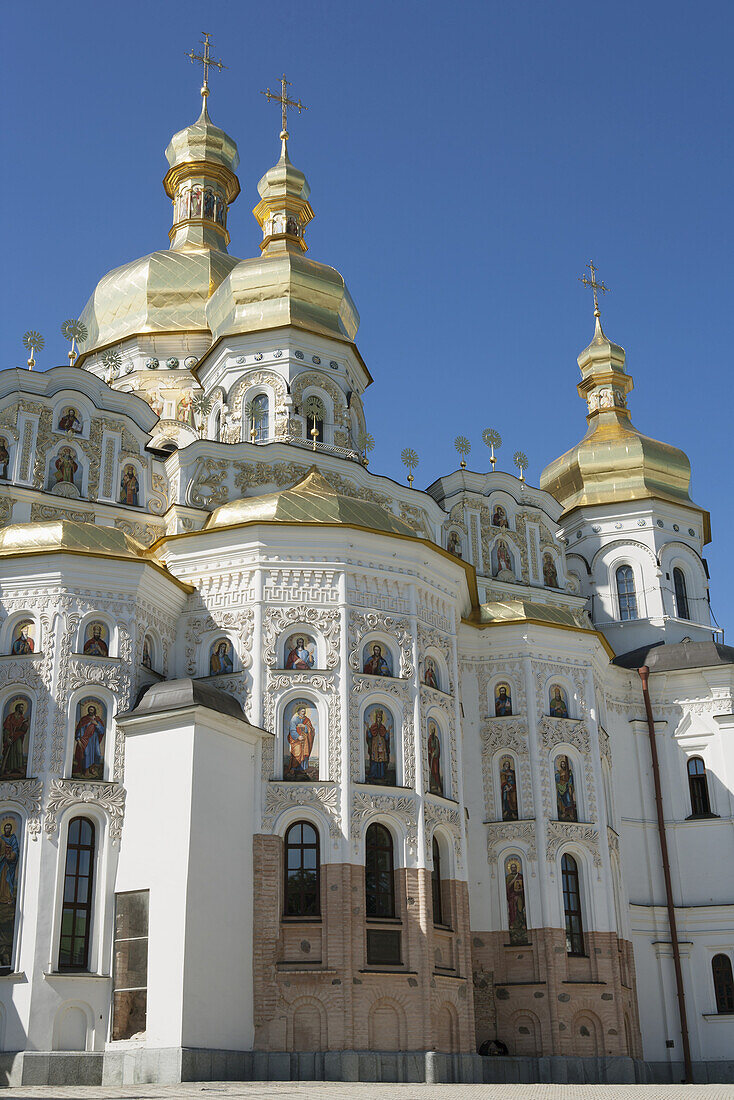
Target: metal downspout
(644, 674)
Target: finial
(492, 439)
(521, 461)
(201, 406)
(410, 459)
(112, 360)
(463, 447)
(366, 443)
(595, 287)
(254, 414)
(285, 103)
(206, 60)
(314, 410)
(32, 342)
(74, 330)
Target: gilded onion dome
(281, 287)
(167, 291)
(615, 463)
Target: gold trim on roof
(518, 609)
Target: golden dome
(167, 291)
(312, 500)
(72, 535)
(614, 462)
(281, 287)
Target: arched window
(258, 415)
(379, 873)
(698, 787)
(301, 895)
(436, 884)
(626, 592)
(681, 593)
(217, 428)
(723, 983)
(76, 912)
(313, 410)
(572, 906)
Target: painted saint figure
(376, 664)
(565, 790)
(16, 725)
(89, 741)
(301, 650)
(517, 920)
(220, 658)
(454, 544)
(430, 675)
(69, 420)
(23, 642)
(499, 517)
(96, 641)
(129, 486)
(558, 704)
(4, 457)
(9, 875)
(147, 660)
(378, 736)
(435, 776)
(502, 701)
(508, 789)
(299, 743)
(550, 573)
(504, 558)
(66, 466)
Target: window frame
(301, 846)
(437, 884)
(723, 984)
(698, 787)
(262, 429)
(372, 908)
(87, 907)
(573, 915)
(627, 595)
(680, 589)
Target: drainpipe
(644, 674)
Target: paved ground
(213, 1090)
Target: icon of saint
(376, 665)
(301, 735)
(95, 645)
(88, 737)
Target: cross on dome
(206, 60)
(285, 103)
(595, 286)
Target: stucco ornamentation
(558, 833)
(278, 619)
(66, 793)
(519, 832)
(27, 793)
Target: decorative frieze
(278, 619)
(561, 832)
(401, 806)
(66, 793)
(516, 832)
(27, 793)
(280, 796)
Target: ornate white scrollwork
(325, 797)
(65, 793)
(278, 619)
(560, 832)
(27, 793)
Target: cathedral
(308, 774)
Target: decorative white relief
(402, 806)
(66, 793)
(278, 619)
(27, 793)
(362, 623)
(560, 832)
(437, 813)
(325, 797)
(499, 832)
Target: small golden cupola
(615, 463)
(281, 287)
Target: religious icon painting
(377, 660)
(550, 573)
(129, 486)
(16, 735)
(508, 789)
(557, 702)
(431, 677)
(502, 700)
(499, 517)
(97, 640)
(565, 790)
(66, 468)
(300, 652)
(517, 920)
(300, 741)
(379, 732)
(435, 764)
(4, 457)
(503, 561)
(148, 650)
(221, 657)
(89, 739)
(10, 836)
(69, 420)
(23, 641)
(454, 544)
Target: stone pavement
(320, 1090)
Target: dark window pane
(301, 891)
(77, 901)
(383, 947)
(572, 906)
(681, 594)
(723, 983)
(131, 914)
(129, 1013)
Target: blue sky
(465, 161)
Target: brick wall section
(540, 1001)
(311, 977)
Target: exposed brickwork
(541, 1001)
(313, 988)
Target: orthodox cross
(206, 60)
(595, 286)
(285, 103)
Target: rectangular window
(130, 964)
(383, 947)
